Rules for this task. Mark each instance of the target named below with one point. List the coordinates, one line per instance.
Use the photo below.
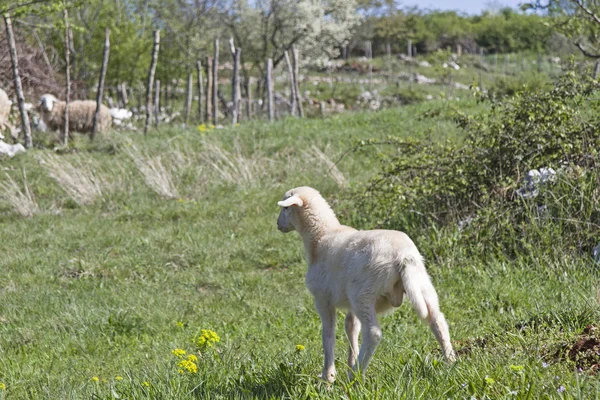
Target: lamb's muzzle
(364, 272)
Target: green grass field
(95, 294)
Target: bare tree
(101, 82)
(17, 80)
(292, 84)
(235, 82)
(188, 100)
(215, 82)
(270, 101)
(150, 82)
(65, 134)
(209, 88)
(200, 91)
(296, 80)
(156, 103)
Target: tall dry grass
(22, 201)
(78, 179)
(156, 175)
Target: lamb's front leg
(327, 313)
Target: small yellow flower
(299, 347)
(178, 353)
(118, 378)
(146, 383)
(95, 379)
(187, 365)
(489, 381)
(202, 128)
(192, 357)
(179, 323)
(208, 338)
(517, 368)
(2, 386)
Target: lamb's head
(47, 102)
(302, 209)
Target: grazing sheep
(364, 272)
(81, 114)
(5, 105)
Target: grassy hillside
(99, 287)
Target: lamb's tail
(424, 299)
(418, 287)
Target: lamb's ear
(291, 201)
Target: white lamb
(364, 272)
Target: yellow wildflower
(180, 324)
(299, 347)
(187, 365)
(192, 357)
(489, 381)
(146, 383)
(95, 379)
(207, 338)
(2, 386)
(178, 353)
(517, 368)
(118, 378)
(202, 128)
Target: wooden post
(156, 103)
(150, 82)
(370, 65)
(188, 99)
(215, 82)
(249, 97)
(409, 48)
(270, 101)
(388, 49)
(296, 62)
(344, 52)
(65, 133)
(101, 82)
(200, 91)
(458, 50)
(124, 95)
(17, 80)
(292, 84)
(236, 88)
(209, 88)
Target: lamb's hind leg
(352, 325)
(397, 295)
(371, 334)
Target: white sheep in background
(81, 114)
(5, 106)
(364, 272)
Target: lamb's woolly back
(81, 114)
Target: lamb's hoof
(328, 378)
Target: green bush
(429, 185)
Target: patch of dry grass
(156, 175)
(78, 179)
(22, 201)
(316, 155)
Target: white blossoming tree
(267, 28)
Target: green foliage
(507, 31)
(512, 85)
(439, 183)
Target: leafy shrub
(476, 182)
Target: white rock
(11, 149)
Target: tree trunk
(296, 62)
(249, 97)
(215, 82)
(270, 102)
(150, 82)
(17, 81)
(200, 92)
(596, 69)
(292, 83)
(44, 54)
(65, 134)
(156, 102)
(188, 99)
(235, 86)
(209, 88)
(101, 82)
(124, 94)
